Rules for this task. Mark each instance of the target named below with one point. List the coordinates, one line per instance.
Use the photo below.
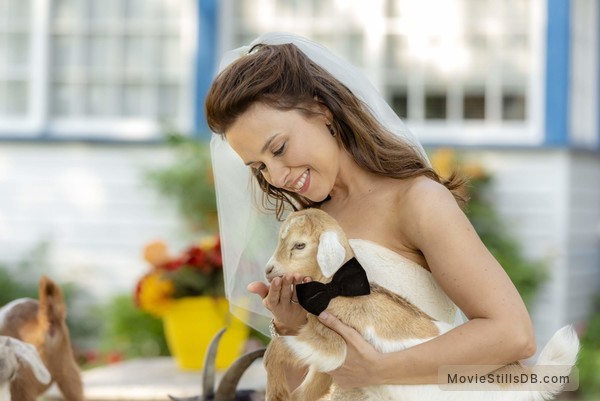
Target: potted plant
(186, 292)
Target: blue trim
(205, 62)
(48, 139)
(598, 76)
(557, 73)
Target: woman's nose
(276, 174)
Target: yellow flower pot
(191, 323)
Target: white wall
(90, 202)
(551, 201)
(584, 73)
(583, 242)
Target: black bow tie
(349, 281)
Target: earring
(331, 131)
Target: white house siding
(583, 242)
(584, 73)
(90, 202)
(550, 200)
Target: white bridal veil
(248, 234)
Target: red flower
(198, 270)
(174, 264)
(196, 256)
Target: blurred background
(101, 99)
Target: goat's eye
(299, 245)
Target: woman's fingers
(288, 290)
(259, 288)
(348, 333)
(280, 299)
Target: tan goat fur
(312, 244)
(43, 324)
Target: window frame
(38, 122)
(452, 131)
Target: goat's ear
(331, 253)
(28, 354)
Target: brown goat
(43, 324)
(311, 243)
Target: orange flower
(198, 270)
(156, 253)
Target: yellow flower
(154, 294)
(209, 242)
(443, 161)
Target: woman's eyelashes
(279, 150)
(259, 168)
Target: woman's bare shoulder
(419, 201)
(422, 192)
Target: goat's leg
(277, 389)
(315, 386)
(274, 361)
(66, 374)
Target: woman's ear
(323, 110)
(330, 253)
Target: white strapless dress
(406, 278)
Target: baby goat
(313, 244)
(43, 324)
(14, 354)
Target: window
(15, 62)
(458, 71)
(484, 51)
(474, 107)
(120, 69)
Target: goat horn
(208, 376)
(229, 382)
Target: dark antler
(229, 382)
(208, 376)
(231, 378)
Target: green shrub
(188, 182)
(589, 357)
(130, 331)
(526, 274)
(22, 280)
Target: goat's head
(311, 243)
(8, 361)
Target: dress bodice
(404, 277)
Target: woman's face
(292, 151)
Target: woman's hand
(361, 358)
(280, 299)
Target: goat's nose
(269, 269)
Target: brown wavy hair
(282, 77)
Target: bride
(313, 132)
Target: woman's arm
(499, 330)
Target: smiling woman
(288, 150)
(314, 133)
